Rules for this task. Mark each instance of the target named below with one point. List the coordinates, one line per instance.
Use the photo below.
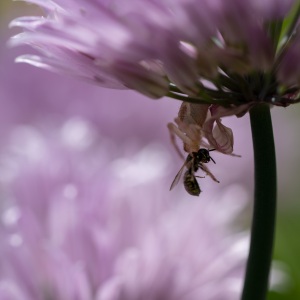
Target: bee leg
(207, 171)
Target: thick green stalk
(264, 214)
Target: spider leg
(192, 133)
(174, 131)
(192, 130)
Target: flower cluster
(68, 233)
(227, 53)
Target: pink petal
(219, 136)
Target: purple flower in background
(71, 229)
(172, 48)
(43, 99)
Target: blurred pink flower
(169, 47)
(29, 96)
(71, 229)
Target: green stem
(264, 214)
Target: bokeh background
(35, 102)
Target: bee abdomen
(190, 184)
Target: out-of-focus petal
(119, 38)
(81, 236)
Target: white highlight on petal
(78, 133)
(11, 290)
(11, 216)
(15, 240)
(70, 191)
(33, 60)
(110, 289)
(27, 22)
(149, 164)
(240, 248)
(188, 49)
(233, 204)
(28, 142)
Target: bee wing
(177, 177)
(186, 164)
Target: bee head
(204, 156)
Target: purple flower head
(43, 99)
(71, 229)
(171, 48)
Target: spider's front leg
(174, 131)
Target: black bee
(193, 162)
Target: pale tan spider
(190, 120)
